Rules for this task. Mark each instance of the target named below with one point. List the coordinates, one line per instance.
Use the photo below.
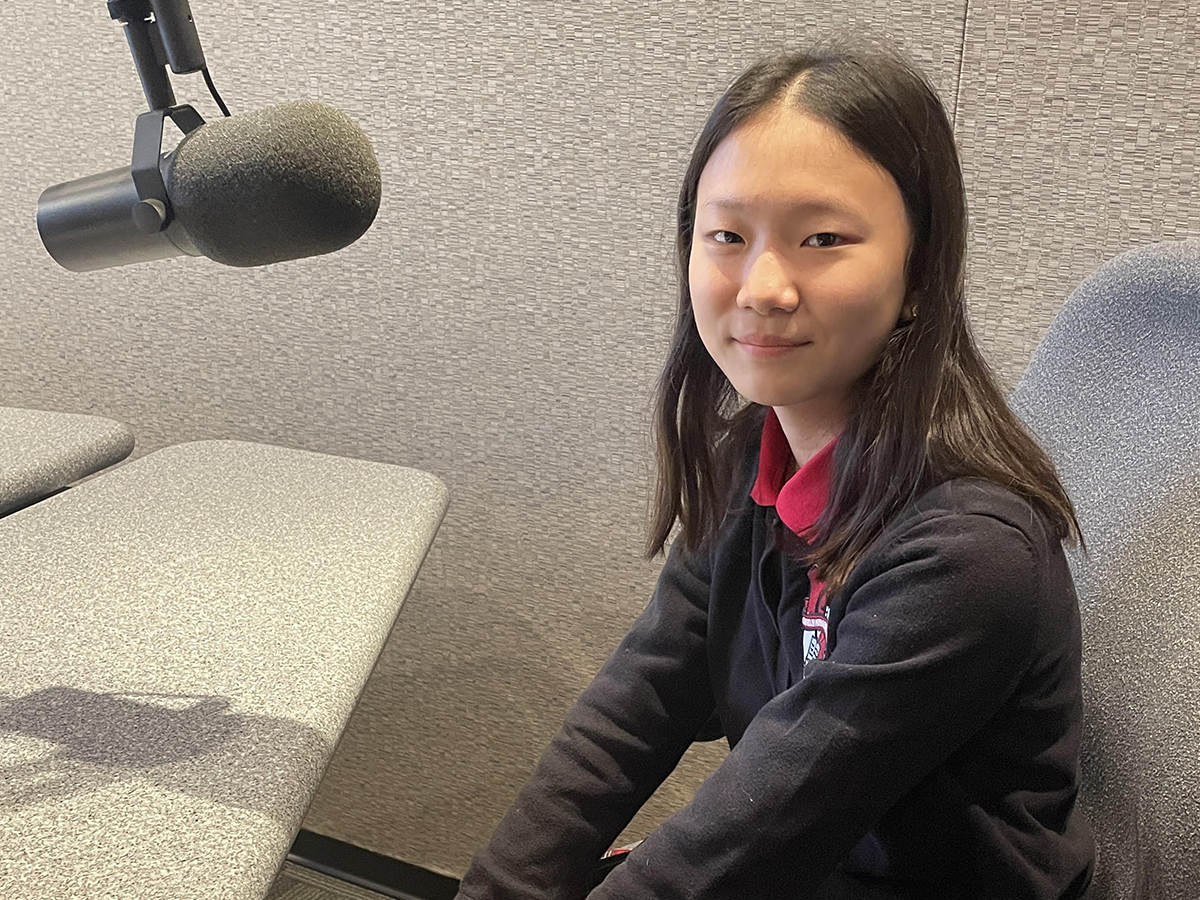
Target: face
(797, 263)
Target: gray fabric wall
(1079, 125)
(502, 323)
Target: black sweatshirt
(917, 737)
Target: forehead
(786, 157)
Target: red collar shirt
(798, 502)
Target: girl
(868, 596)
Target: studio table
(42, 452)
(183, 641)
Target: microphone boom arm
(181, 43)
(159, 32)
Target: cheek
(705, 296)
(701, 275)
(868, 301)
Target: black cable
(212, 89)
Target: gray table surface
(183, 641)
(42, 451)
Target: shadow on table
(185, 743)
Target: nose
(768, 285)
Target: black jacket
(932, 752)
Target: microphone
(293, 180)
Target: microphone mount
(152, 212)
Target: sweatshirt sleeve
(618, 743)
(934, 637)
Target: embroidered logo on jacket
(816, 619)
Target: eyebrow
(813, 205)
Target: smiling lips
(768, 344)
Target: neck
(809, 429)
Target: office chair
(1113, 394)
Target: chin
(784, 395)
(765, 396)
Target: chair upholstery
(1113, 393)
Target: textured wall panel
(501, 325)
(1080, 129)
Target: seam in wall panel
(962, 64)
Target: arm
(934, 638)
(621, 739)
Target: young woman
(868, 596)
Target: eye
(726, 237)
(823, 239)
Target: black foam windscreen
(293, 180)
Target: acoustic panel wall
(501, 325)
(1079, 125)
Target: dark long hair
(929, 409)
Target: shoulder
(967, 511)
(968, 549)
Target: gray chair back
(1113, 393)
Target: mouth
(768, 345)
(767, 340)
